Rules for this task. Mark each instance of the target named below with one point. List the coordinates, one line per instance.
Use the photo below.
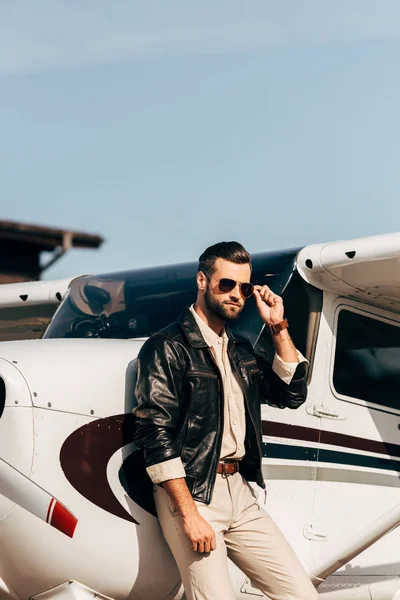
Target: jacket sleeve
(158, 393)
(286, 370)
(276, 392)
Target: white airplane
(76, 516)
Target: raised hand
(270, 305)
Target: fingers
(200, 534)
(200, 547)
(258, 298)
(265, 294)
(213, 544)
(205, 543)
(209, 543)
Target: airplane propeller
(23, 491)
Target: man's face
(227, 306)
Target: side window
(27, 322)
(367, 359)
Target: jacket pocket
(250, 371)
(202, 373)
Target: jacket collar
(192, 332)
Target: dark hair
(232, 251)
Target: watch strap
(277, 327)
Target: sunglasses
(226, 285)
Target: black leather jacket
(180, 402)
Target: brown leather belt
(228, 468)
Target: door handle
(315, 536)
(323, 412)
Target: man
(199, 424)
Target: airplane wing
(367, 269)
(30, 496)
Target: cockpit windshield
(136, 304)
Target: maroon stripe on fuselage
(309, 434)
(84, 457)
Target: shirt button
(235, 422)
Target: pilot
(199, 389)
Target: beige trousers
(246, 534)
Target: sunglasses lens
(247, 289)
(226, 285)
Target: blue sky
(168, 126)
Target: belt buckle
(224, 467)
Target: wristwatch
(277, 327)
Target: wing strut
(27, 494)
(355, 545)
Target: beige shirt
(234, 415)
(234, 410)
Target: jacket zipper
(221, 422)
(240, 381)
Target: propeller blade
(23, 491)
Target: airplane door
(290, 438)
(359, 446)
(290, 468)
(16, 425)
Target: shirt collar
(210, 337)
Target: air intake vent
(2, 395)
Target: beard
(220, 310)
